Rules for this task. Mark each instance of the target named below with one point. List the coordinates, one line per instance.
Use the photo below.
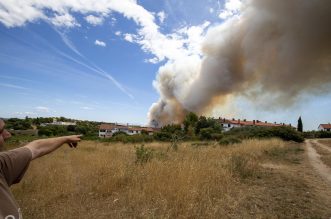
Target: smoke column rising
(273, 52)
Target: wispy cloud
(87, 64)
(67, 42)
(100, 43)
(86, 108)
(13, 86)
(42, 109)
(66, 20)
(16, 78)
(24, 113)
(129, 37)
(162, 16)
(94, 20)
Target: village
(107, 130)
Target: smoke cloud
(273, 51)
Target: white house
(55, 122)
(107, 130)
(324, 127)
(228, 124)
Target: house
(107, 130)
(55, 122)
(228, 124)
(324, 127)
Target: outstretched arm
(45, 146)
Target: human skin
(4, 134)
(41, 147)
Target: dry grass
(326, 142)
(103, 181)
(325, 154)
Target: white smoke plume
(275, 49)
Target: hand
(72, 140)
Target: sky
(97, 60)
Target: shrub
(52, 130)
(206, 133)
(287, 134)
(217, 136)
(119, 133)
(230, 140)
(283, 132)
(162, 136)
(317, 134)
(128, 138)
(143, 155)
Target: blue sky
(98, 61)
(42, 76)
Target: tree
(300, 126)
(204, 122)
(189, 122)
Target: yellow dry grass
(101, 180)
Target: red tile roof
(326, 126)
(249, 123)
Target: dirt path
(316, 162)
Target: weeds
(243, 166)
(230, 140)
(143, 155)
(285, 153)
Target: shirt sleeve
(14, 163)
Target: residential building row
(228, 124)
(107, 130)
(55, 122)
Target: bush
(52, 130)
(283, 132)
(317, 134)
(206, 133)
(230, 140)
(162, 136)
(217, 136)
(143, 155)
(45, 132)
(287, 134)
(125, 138)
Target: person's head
(4, 134)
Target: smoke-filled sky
(138, 61)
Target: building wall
(109, 133)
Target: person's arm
(42, 147)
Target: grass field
(254, 179)
(325, 154)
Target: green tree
(189, 123)
(204, 122)
(300, 126)
(172, 129)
